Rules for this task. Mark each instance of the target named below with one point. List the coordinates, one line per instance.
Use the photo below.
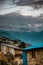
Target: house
(33, 55)
(9, 47)
(13, 47)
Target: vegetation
(22, 45)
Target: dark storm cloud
(40, 2)
(19, 1)
(25, 2)
(2, 2)
(30, 2)
(22, 2)
(36, 4)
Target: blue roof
(38, 46)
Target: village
(13, 52)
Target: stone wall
(18, 51)
(36, 59)
(6, 49)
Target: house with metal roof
(12, 47)
(33, 55)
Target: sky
(22, 19)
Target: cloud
(23, 28)
(8, 7)
(36, 4)
(17, 1)
(37, 27)
(20, 18)
(29, 11)
(20, 23)
(22, 10)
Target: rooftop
(37, 46)
(11, 46)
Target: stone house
(33, 55)
(8, 46)
(16, 52)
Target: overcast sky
(21, 18)
(21, 15)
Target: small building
(8, 49)
(13, 47)
(33, 55)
